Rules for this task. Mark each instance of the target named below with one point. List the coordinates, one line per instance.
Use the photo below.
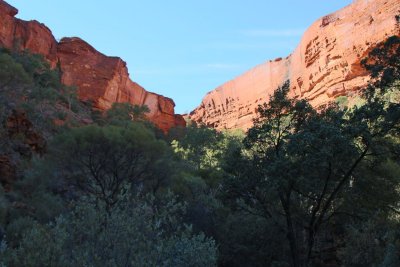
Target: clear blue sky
(182, 48)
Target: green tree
(383, 63)
(12, 73)
(201, 146)
(373, 242)
(300, 165)
(137, 232)
(100, 161)
(14, 81)
(126, 112)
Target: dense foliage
(303, 187)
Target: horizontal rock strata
(325, 65)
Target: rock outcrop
(325, 65)
(100, 79)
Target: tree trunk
(291, 236)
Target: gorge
(324, 66)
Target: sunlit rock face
(31, 35)
(100, 79)
(105, 80)
(325, 65)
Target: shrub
(136, 232)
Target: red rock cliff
(103, 80)
(325, 65)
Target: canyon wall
(100, 79)
(325, 65)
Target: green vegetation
(139, 231)
(302, 187)
(120, 112)
(342, 101)
(99, 195)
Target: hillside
(100, 79)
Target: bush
(372, 243)
(12, 73)
(101, 160)
(136, 232)
(123, 113)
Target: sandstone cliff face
(325, 65)
(31, 35)
(101, 79)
